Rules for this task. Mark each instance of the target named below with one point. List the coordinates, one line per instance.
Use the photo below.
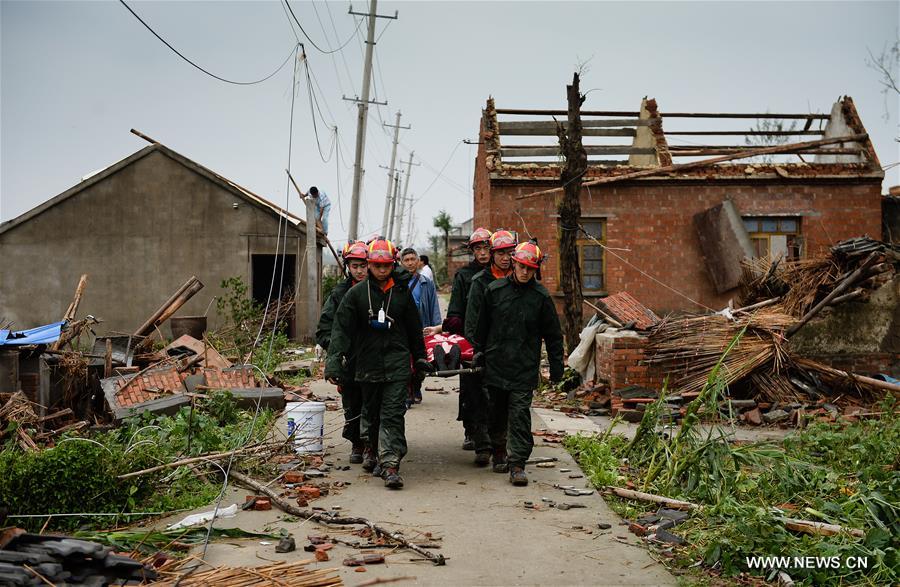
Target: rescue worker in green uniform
(355, 263)
(454, 323)
(502, 244)
(378, 323)
(516, 315)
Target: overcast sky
(76, 76)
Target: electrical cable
(177, 52)
(440, 173)
(313, 43)
(343, 57)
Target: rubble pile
(760, 364)
(34, 559)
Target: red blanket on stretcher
(466, 352)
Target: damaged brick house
(674, 238)
(139, 228)
(684, 229)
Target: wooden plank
(723, 151)
(537, 126)
(535, 151)
(704, 162)
(743, 115)
(749, 133)
(528, 111)
(541, 131)
(551, 112)
(592, 162)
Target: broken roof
(221, 180)
(797, 145)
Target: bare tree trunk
(569, 210)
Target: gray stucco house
(140, 228)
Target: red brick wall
(620, 361)
(650, 224)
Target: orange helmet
(502, 239)
(355, 250)
(481, 235)
(381, 250)
(528, 254)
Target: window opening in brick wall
(773, 236)
(592, 256)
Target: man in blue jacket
(425, 296)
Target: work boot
(356, 453)
(392, 478)
(369, 461)
(517, 476)
(499, 458)
(468, 443)
(482, 458)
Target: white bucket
(306, 420)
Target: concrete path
(487, 535)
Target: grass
(839, 473)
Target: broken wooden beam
(674, 504)
(841, 288)
(779, 149)
(819, 528)
(172, 305)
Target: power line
(328, 42)
(313, 43)
(180, 54)
(343, 57)
(440, 173)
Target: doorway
(262, 268)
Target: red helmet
(381, 250)
(502, 239)
(355, 250)
(481, 235)
(528, 254)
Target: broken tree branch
(780, 149)
(818, 528)
(324, 518)
(641, 496)
(207, 457)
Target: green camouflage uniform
(351, 393)
(513, 320)
(469, 385)
(481, 412)
(382, 358)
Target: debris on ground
(296, 574)
(35, 559)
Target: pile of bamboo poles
(294, 574)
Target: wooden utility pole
(363, 116)
(569, 210)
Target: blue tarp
(40, 335)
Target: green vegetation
(242, 317)
(80, 474)
(838, 473)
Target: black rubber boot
(517, 476)
(482, 459)
(356, 454)
(369, 460)
(500, 464)
(392, 478)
